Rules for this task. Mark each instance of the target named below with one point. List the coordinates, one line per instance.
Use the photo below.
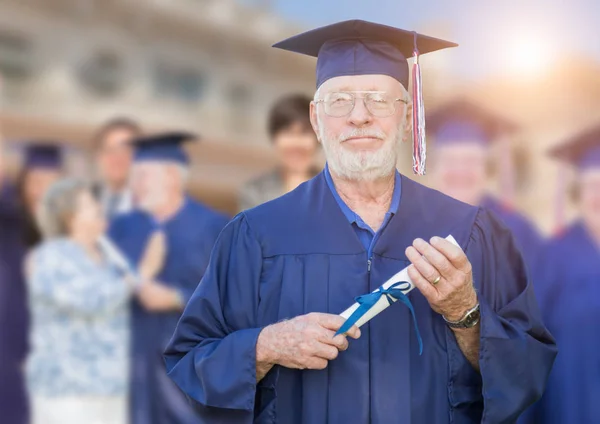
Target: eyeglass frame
(354, 97)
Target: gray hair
(58, 205)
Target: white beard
(361, 165)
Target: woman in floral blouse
(77, 371)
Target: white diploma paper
(383, 303)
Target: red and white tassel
(419, 144)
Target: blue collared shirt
(367, 236)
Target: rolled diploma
(383, 303)
(117, 258)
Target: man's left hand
(443, 274)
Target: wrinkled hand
(453, 295)
(306, 341)
(154, 255)
(157, 297)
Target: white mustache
(362, 134)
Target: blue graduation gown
(568, 287)
(14, 317)
(190, 234)
(299, 254)
(527, 237)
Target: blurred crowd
(93, 278)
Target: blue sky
(490, 32)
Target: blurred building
(201, 65)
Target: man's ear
(408, 123)
(314, 122)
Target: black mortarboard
(43, 155)
(582, 150)
(461, 120)
(358, 47)
(163, 147)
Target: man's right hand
(304, 342)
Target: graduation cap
(582, 152)
(163, 147)
(359, 47)
(463, 121)
(46, 155)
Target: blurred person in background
(296, 146)
(113, 150)
(43, 165)
(158, 181)
(77, 371)
(13, 305)
(464, 133)
(567, 284)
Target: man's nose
(360, 115)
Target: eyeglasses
(342, 103)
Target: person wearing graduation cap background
(42, 166)
(257, 341)
(187, 230)
(464, 134)
(567, 284)
(14, 316)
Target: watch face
(472, 319)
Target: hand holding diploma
(399, 285)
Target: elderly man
(187, 231)
(257, 343)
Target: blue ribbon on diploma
(366, 302)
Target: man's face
(114, 156)
(152, 183)
(460, 171)
(589, 196)
(360, 145)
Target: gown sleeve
(212, 355)
(516, 350)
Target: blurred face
(296, 148)
(88, 217)
(153, 183)
(114, 156)
(37, 181)
(460, 171)
(589, 196)
(360, 145)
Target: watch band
(469, 319)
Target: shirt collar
(350, 215)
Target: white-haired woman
(77, 371)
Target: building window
(240, 101)
(102, 73)
(180, 83)
(16, 56)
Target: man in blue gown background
(257, 341)
(567, 285)
(464, 136)
(188, 231)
